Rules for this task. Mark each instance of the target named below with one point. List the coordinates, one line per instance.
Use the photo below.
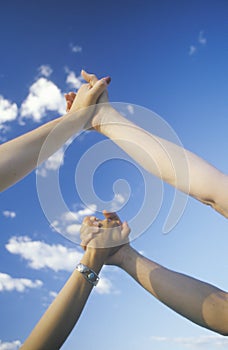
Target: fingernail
(107, 79)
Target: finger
(88, 232)
(86, 240)
(68, 105)
(86, 220)
(125, 229)
(90, 78)
(111, 216)
(72, 95)
(90, 221)
(83, 246)
(103, 97)
(97, 89)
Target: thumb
(98, 88)
(125, 229)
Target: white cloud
(8, 110)
(75, 48)
(70, 221)
(53, 294)
(55, 257)
(201, 38)
(130, 109)
(42, 255)
(9, 214)
(14, 345)
(217, 341)
(8, 283)
(117, 202)
(104, 286)
(43, 96)
(52, 163)
(192, 50)
(45, 70)
(72, 80)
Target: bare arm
(172, 163)
(60, 318)
(58, 321)
(20, 156)
(198, 301)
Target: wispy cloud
(53, 294)
(9, 214)
(192, 50)
(117, 202)
(75, 48)
(43, 96)
(45, 70)
(130, 109)
(201, 38)
(8, 283)
(217, 341)
(52, 163)
(14, 345)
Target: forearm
(21, 155)
(60, 318)
(200, 302)
(172, 163)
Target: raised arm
(20, 156)
(198, 301)
(58, 321)
(173, 164)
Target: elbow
(220, 327)
(222, 330)
(224, 333)
(216, 205)
(216, 313)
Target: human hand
(106, 236)
(93, 91)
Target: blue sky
(170, 57)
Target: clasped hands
(87, 99)
(107, 237)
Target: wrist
(126, 254)
(94, 259)
(104, 116)
(76, 119)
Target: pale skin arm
(200, 302)
(58, 321)
(20, 156)
(173, 164)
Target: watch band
(88, 274)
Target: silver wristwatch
(88, 274)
